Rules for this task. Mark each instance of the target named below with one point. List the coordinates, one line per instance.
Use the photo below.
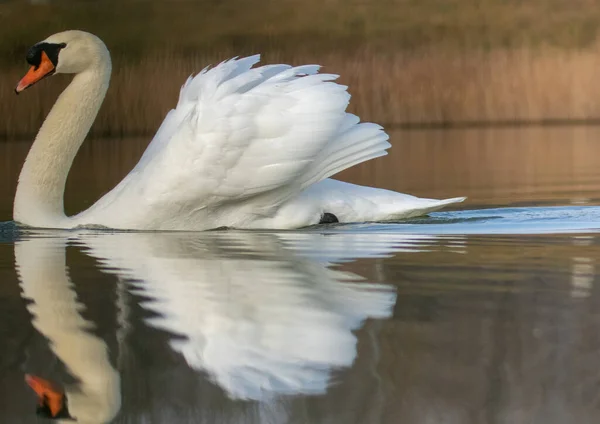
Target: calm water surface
(489, 313)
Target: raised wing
(241, 133)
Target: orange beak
(47, 393)
(36, 73)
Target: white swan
(245, 147)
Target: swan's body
(245, 147)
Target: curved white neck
(40, 191)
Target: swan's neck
(41, 187)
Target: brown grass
(407, 62)
(403, 88)
(135, 28)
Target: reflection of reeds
(426, 86)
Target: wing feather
(240, 132)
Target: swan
(245, 147)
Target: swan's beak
(36, 73)
(49, 396)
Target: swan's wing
(238, 133)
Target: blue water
(465, 314)
(521, 220)
(479, 315)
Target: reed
(137, 27)
(403, 88)
(407, 62)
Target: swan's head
(68, 52)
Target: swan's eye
(34, 55)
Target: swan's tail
(355, 203)
(420, 207)
(355, 143)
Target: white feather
(245, 147)
(241, 144)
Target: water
(488, 313)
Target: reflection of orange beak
(36, 73)
(47, 393)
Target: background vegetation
(407, 62)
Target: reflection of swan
(245, 147)
(42, 273)
(260, 319)
(259, 313)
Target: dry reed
(407, 62)
(395, 89)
